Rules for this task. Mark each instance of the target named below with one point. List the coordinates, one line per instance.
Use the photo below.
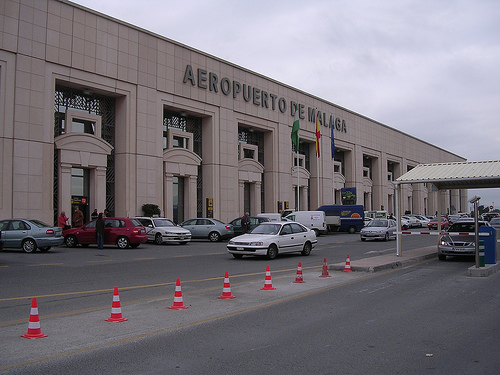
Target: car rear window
(135, 223)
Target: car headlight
(231, 242)
(256, 243)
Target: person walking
(100, 231)
(77, 217)
(245, 222)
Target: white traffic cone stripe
(33, 325)
(34, 311)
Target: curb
(376, 265)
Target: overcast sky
(429, 68)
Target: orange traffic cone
(34, 331)
(299, 278)
(178, 304)
(268, 284)
(325, 273)
(226, 290)
(347, 267)
(116, 310)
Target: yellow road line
(45, 264)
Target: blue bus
(344, 217)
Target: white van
(314, 220)
(271, 216)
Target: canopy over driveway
(459, 175)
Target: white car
(413, 222)
(160, 230)
(423, 221)
(272, 238)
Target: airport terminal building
(99, 113)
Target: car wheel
(238, 256)
(44, 249)
(386, 238)
(214, 236)
(29, 245)
(441, 257)
(272, 252)
(307, 249)
(158, 239)
(351, 230)
(122, 242)
(70, 241)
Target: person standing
(63, 221)
(77, 217)
(245, 222)
(94, 214)
(100, 231)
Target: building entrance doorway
(80, 184)
(178, 202)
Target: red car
(433, 224)
(122, 232)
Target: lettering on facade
(211, 82)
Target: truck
(344, 217)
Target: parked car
(122, 232)
(413, 222)
(272, 238)
(381, 229)
(254, 221)
(405, 224)
(461, 244)
(433, 224)
(495, 223)
(161, 230)
(209, 228)
(29, 235)
(422, 221)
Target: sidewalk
(383, 262)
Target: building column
(241, 197)
(256, 198)
(303, 199)
(64, 183)
(190, 203)
(168, 197)
(99, 188)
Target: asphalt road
(299, 326)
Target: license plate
(240, 248)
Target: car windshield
(266, 229)
(466, 227)
(39, 223)
(377, 223)
(495, 221)
(163, 223)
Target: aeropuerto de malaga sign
(210, 81)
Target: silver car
(29, 235)
(379, 229)
(161, 230)
(209, 228)
(461, 241)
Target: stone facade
(100, 113)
